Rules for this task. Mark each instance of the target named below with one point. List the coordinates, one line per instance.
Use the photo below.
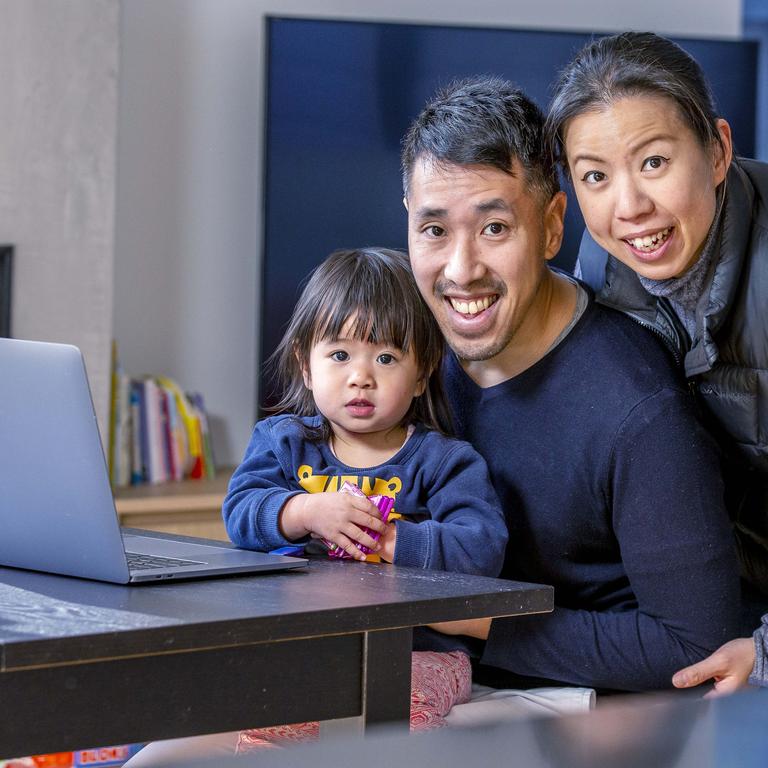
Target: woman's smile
(649, 248)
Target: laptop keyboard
(137, 562)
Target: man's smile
(472, 306)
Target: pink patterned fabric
(438, 681)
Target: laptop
(57, 513)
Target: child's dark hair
(375, 288)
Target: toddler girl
(363, 404)
(359, 366)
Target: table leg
(387, 677)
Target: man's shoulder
(625, 343)
(615, 374)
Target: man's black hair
(481, 121)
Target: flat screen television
(340, 96)
(6, 276)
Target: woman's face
(644, 182)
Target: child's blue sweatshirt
(438, 482)
(614, 496)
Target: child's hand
(387, 543)
(337, 517)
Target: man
(611, 488)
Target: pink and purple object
(384, 504)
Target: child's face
(362, 388)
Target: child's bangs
(365, 315)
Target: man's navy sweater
(612, 493)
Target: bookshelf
(188, 507)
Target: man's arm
(665, 501)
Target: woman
(678, 239)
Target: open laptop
(57, 513)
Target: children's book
(138, 438)
(157, 457)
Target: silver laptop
(57, 513)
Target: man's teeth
(650, 242)
(474, 306)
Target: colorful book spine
(157, 432)
(157, 456)
(186, 429)
(138, 441)
(208, 468)
(123, 433)
(113, 415)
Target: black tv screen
(6, 278)
(340, 96)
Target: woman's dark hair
(631, 64)
(375, 289)
(482, 120)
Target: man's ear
(405, 202)
(723, 150)
(554, 218)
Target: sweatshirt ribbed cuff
(412, 544)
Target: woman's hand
(478, 628)
(729, 666)
(336, 517)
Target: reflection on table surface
(662, 731)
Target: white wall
(58, 91)
(189, 169)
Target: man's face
(479, 239)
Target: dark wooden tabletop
(52, 620)
(87, 663)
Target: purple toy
(385, 506)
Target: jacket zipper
(669, 343)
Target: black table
(85, 664)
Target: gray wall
(189, 169)
(58, 92)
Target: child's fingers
(365, 519)
(349, 547)
(365, 540)
(359, 536)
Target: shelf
(189, 507)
